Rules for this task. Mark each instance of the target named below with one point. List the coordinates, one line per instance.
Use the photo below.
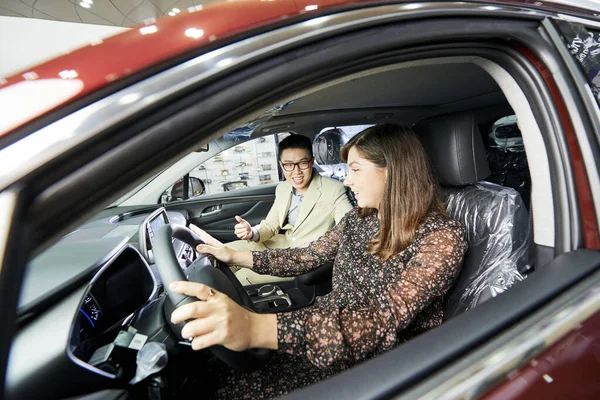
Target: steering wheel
(220, 278)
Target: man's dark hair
(296, 142)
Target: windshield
(132, 192)
(185, 165)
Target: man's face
(299, 163)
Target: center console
(269, 298)
(280, 296)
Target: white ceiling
(101, 12)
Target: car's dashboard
(73, 260)
(93, 299)
(78, 296)
(115, 293)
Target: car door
(216, 213)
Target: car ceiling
(405, 95)
(424, 85)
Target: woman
(396, 255)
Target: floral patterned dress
(374, 306)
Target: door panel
(216, 213)
(220, 225)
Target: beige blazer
(324, 204)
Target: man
(306, 206)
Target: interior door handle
(214, 210)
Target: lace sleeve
(358, 331)
(300, 260)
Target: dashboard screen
(155, 224)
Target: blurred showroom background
(33, 31)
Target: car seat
(495, 217)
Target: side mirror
(195, 188)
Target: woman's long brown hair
(411, 190)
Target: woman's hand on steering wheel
(213, 246)
(218, 320)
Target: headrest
(455, 148)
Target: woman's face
(365, 179)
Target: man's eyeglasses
(289, 167)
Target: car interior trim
(234, 198)
(81, 363)
(14, 244)
(20, 370)
(68, 132)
